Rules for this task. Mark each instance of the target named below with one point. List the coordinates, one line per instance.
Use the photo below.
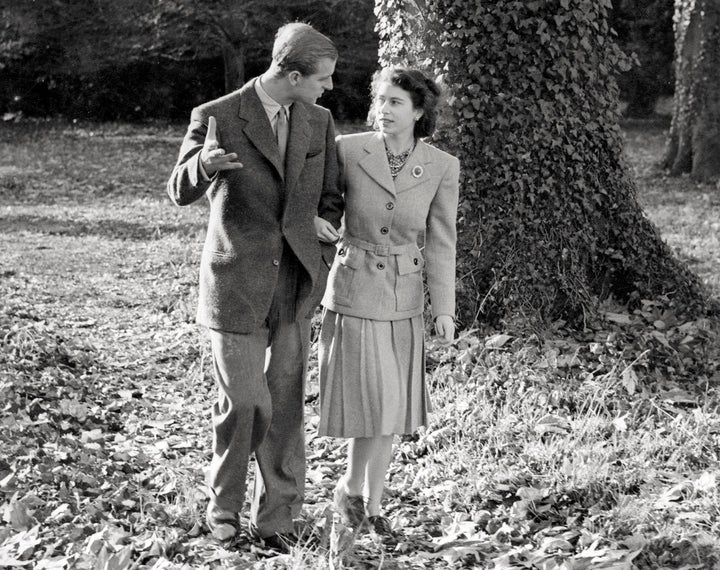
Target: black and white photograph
(360, 284)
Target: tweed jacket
(377, 273)
(255, 208)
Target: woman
(396, 188)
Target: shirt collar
(271, 106)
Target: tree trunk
(234, 63)
(549, 225)
(641, 101)
(694, 140)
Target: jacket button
(415, 260)
(381, 265)
(276, 262)
(342, 251)
(384, 230)
(389, 205)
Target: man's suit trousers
(261, 384)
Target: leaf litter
(597, 450)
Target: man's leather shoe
(223, 524)
(280, 542)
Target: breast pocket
(343, 280)
(409, 284)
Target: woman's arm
(440, 241)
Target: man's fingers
(222, 158)
(211, 135)
(218, 155)
(214, 154)
(229, 166)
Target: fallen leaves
(16, 549)
(597, 450)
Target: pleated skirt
(372, 376)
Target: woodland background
(138, 60)
(571, 445)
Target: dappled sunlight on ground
(598, 449)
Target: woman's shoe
(380, 526)
(350, 507)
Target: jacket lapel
(416, 169)
(375, 163)
(298, 143)
(257, 127)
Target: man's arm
(200, 159)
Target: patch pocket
(409, 284)
(343, 275)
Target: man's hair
(424, 94)
(299, 47)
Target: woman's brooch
(417, 171)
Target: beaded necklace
(397, 161)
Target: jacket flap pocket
(350, 256)
(409, 262)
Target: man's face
(309, 88)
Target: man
(265, 158)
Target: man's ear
(294, 77)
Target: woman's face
(394, 111)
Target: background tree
(191, 29)
(57, 52)
(137, 59)
(549, 224)
(644, 30)
(694, 141)
(184, 29)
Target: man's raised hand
(214, 158)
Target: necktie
(281, 133)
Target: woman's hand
(445, 328)
(325, 230)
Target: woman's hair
(299, 47)
(424, 94)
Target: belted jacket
(394, 229)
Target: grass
(600, 452)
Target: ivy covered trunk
(549, 225)
(694, 142)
